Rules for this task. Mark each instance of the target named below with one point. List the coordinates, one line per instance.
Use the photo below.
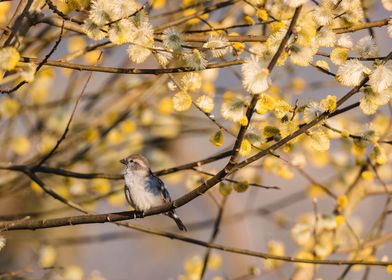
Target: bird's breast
(142, 195)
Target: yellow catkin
(340, 220)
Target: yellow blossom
(165, 106)
(47, 143)
(342, 201)
(315, 191)
(117, 199)
(262, 14)
(73, 272)
(322, 64)
(111, 117)
(319, 158)
(158, 4)
(274, 248)
(285, 172)
(215, 261)
(367, 175)
(238, 46)
(340, 220)
(270, 131)
(195, 20)
(329, 103)
(241, 186)
(281, 109)
(265, 103)
(182, 101)
(9, 107)
(319, 140)
(298, 84)
(345, 134)
(174, 178)
(115, 137)
(191, 82)
(76, 43)
(77, 188)
(35, 187)
(63, 191)
(92, 56)
(339, 56)
(288, 147)
(21, 145)
(208, 87)
(245, 148)
(274, 90)
(100, 185)
(128, 126)
(276, 26)
(233, 108)
(206, 103)
(305, 256)
(378, 155)
(217, 138)
(39, 92)
(9, 57)
(244, 121)
(225, 189)
(324, 247)
(288, 128)
(91, 134)
(249, 20)
(47, 256)
(4, 9)
(193, 266)
(77, 4)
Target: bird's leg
(138, 214)
(141, 214)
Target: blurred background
(125, 114)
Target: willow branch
(214, 234)
(306, 127)
(65, 132)
(80, 219)
(250, 110)
(360, 26)
(42, 63)
(119, 70)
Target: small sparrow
(143, 190)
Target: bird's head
(135, 163)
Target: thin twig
(40, 64)
(214, 234)
(64, 135)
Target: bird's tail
(177, 219)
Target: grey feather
(143, 189)
(166, 198)
(128, 197)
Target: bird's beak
(123, 161)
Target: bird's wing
(166, 198)
(164, 193)
(128, 196)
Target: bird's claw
(138, 214)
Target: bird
(143, 190)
